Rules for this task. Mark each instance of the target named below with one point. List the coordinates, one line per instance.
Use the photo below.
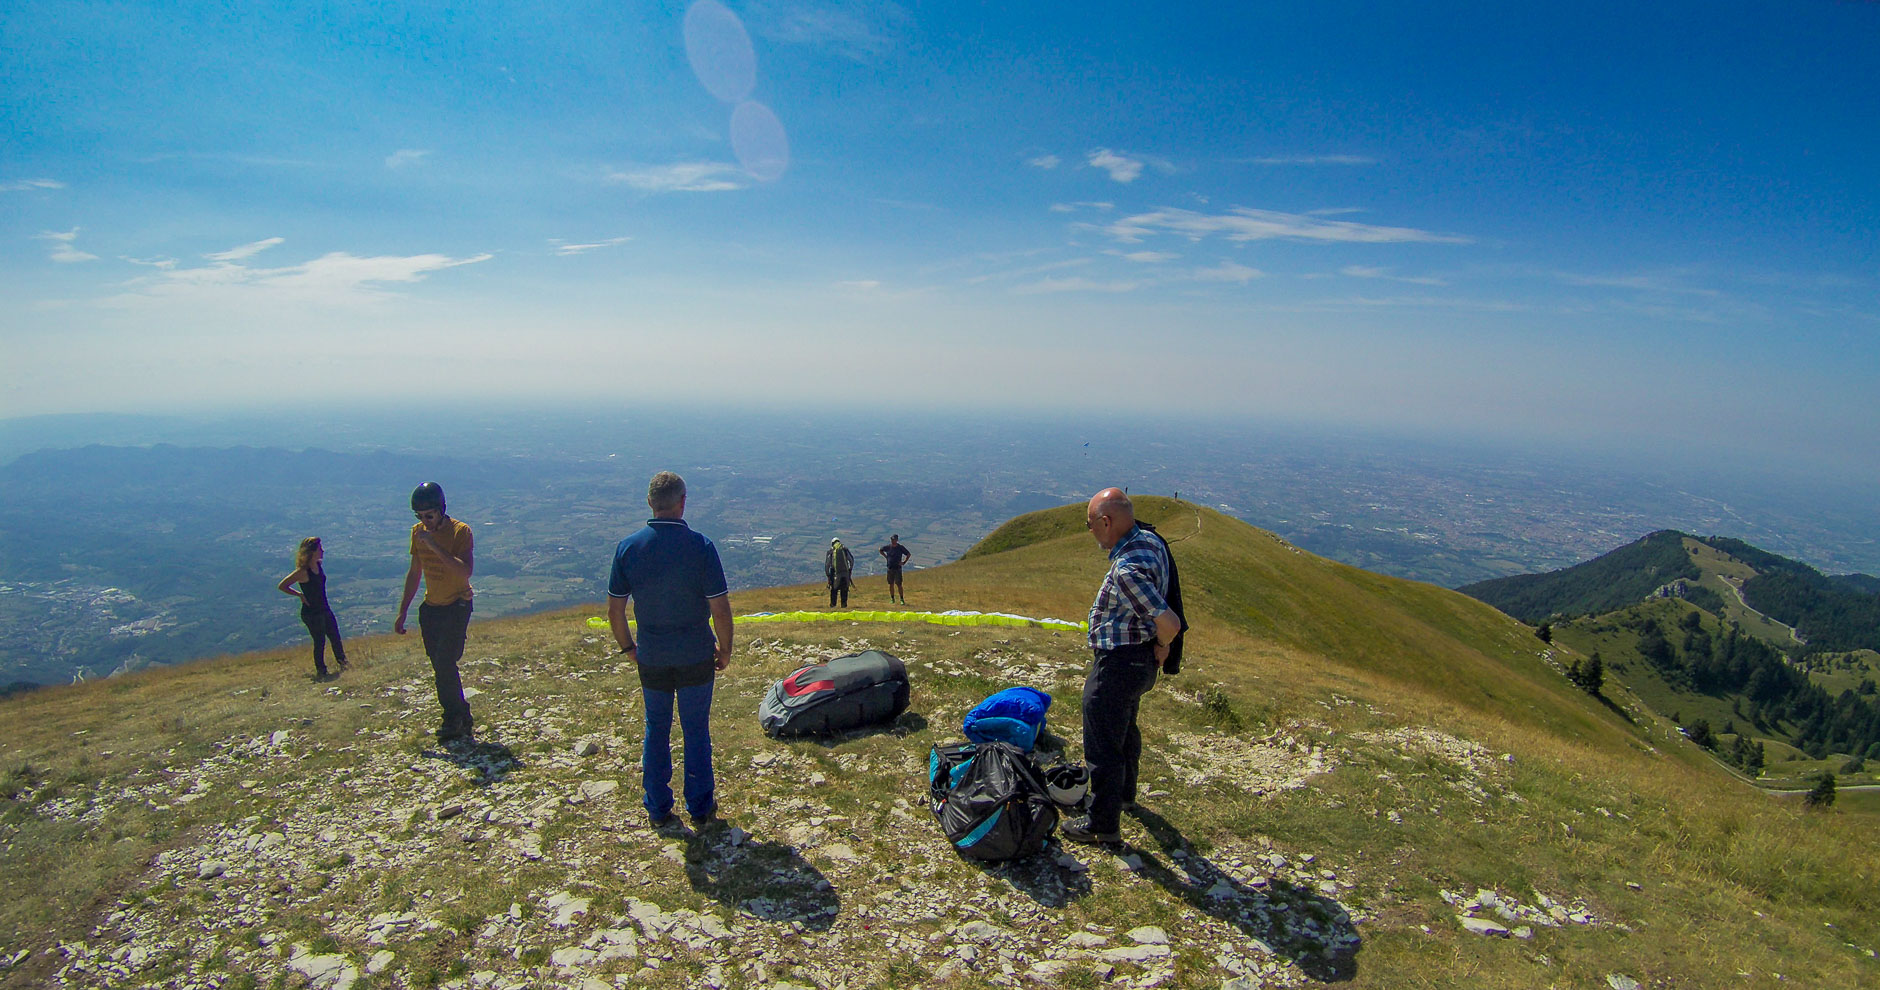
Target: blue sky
(1609, 226)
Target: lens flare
(720, 51)
(758, 140)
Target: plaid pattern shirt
(1133, 592)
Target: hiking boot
(343, 664)
(710, 815)
(659, 821)
(454, 733)
(1079, 830)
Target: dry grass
(1289, 652)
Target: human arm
(617, 621)
(299, 575)
(460, 565)
(1168, 625)
(721, 628)
(412, 575)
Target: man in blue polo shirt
(684, 610)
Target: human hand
(1161, 653)
(399, 626)
(723, 660)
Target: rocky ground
(525, 860)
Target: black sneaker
(1078, 830)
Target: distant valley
(137, 552)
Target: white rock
(1138, 954)
(1481, 926)
(586, 747)
(564, 906)
(1524, 932)
(1149, 935)
(1086, 940)
(278, 737)
(979, 931)
(573, 957)
(211, 868)
(329, 972)
(594, 790)
(379, 961)
(1618, 981)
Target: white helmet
(1067, 783)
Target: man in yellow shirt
(443, 554)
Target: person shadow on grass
(767, 880)
(1298, 924)
(492, 761)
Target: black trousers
(323, 625)
(445, 627)
(839, 588)
(1112, 742)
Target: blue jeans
(695, 707)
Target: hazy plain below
(130, 540)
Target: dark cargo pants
(445, 627)
(1112, 742)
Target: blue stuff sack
(1014, 716)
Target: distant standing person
(683, 606)
(315, 610)
(897, 555)
(1132, 628)
(443, 554)
(839, 568)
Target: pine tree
(1593, 675)
(1822, 795)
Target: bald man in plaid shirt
(1131, 629)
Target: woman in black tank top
(310, 574)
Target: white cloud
(1121, 168)
(164, 263)
(245, 251)
(860, 29)
(406, 156)
(1146, 257)
(62, 249)
(1088, 205)
(1032, 270)
(1044, 161)
(564, 249)
(1314, 160)
(860, 283)
(1369, 271)
(1243, 224)
(23, 185)
(1074, 284)
(336, 278)
(1227, 271)
(1642, 283)
(682, 177)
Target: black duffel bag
(845, 693)
(990, 800)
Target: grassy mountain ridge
(1746, 639)
(1347, 765)
(1607, 582)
